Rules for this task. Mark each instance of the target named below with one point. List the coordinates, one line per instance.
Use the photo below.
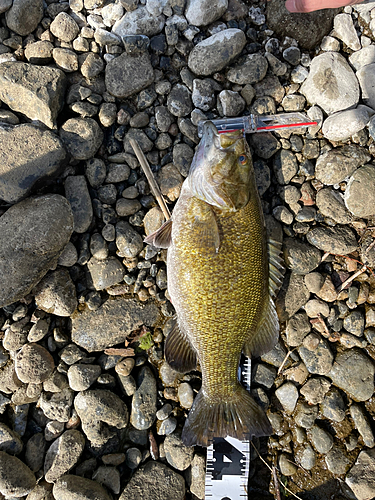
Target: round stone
(64, 27)
(33, 364)
(360, 192)
(82, 137)
(177, 454)
(16, 479)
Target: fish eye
(242, 159)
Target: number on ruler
(227, 460)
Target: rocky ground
(89, 409)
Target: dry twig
(113, 351)
(150, 177)
(270, 468)
(352, 278)
(276, 483)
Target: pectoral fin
(179, 353)
(162, 238)
(205, 224)
(267, 334)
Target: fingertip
(291, 5)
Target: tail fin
(240, 417)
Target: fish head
(221, 171)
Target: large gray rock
(338, 240)
(24, 16)
(331, 83)
(82, 137)
(360, 192)
(362, 57)
(28, 155)
(361, 477)
(63, 454)
(155, 481)
(56, 293)
(307, 28)
(342, 125)
(71, 487)
(334, 166)
(365, 77)
(111, 323)
(35, 91)
(33, 234)
(204, 12)
(353, 372)
(128, 74)
(144, 401)
(139, 22)
(216, 52)
(77, 193)
(16, 479)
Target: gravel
(79, 79)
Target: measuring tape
(228, 459)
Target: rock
(339, 163)
(307, 28)
(344, 29)
(111, 323)
(359, 194)
(364, 75)
(182, 158)
(125, 207)
(361, 477)
(65, 59)
(231, 102)
(24, 16)
(333, 406)
(82, 137)
(287, 467)
(202, 13)
(100, 412)
(167, 426)
(81, 377)
(287, 394)
(292, 296)
(16, 479)
(305, 415)
(179, 101)
(331, 204)
(10, 441)
(29, 156)
(128, 74)
(300, 257)
(133, 458)
(154, 480)
(42, 491)
(353, 372)
(315, 308)
(203, 95)
(36, 91)
(68, 256)
(285, 166)
(56, 293)
(63, 454)
(252, 69)
(51, 223)
(57, 406)
(35, 450)
(362, 57)
(297, 328)
(143, 413)
(336, 461)
(105, 273)
(128, 241)
(317, 358)
(331, 83)
(139, 22)
(170, 181)
(354, 323)
(185, 395)
(306, 457)
(33, 364)
(109, 477)
(336, 240)
(342, 125)
(315, 389)
(64, 27)
(362, 425)
(216, 52)
(142, 139)
(77, 194)
(78, 488)
(320, 439)
(177, 454)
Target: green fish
(222, 285)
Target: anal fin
(267, 334)
(179, 353)
(162, 238)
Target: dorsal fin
(162, 238)
(179, 353)
(276, 267)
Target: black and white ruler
(228, 459)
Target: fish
(221, 284)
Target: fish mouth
(225, 142)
